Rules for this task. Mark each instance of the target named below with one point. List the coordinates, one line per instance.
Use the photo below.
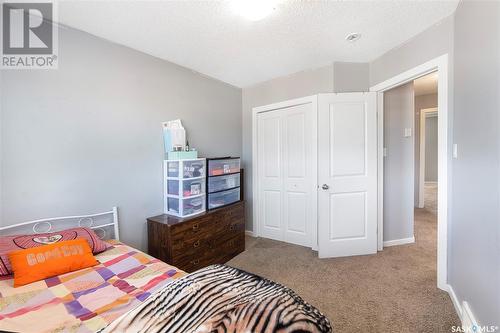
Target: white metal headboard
(101, 223)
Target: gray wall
(88, 136)
(398, 164)
(475, 234)
(431, 43)
(421, 102)
(431, 149)
(351, 76)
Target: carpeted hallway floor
(392, 291)
(430, 197)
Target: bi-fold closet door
(286, 146)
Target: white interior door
(287, 173)
(347, 174)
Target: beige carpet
(392, 291)
(430, 197)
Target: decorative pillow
(19, 242)
(41, 262)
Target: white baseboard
(456, 303)
(464, 313)
(249, 233)
(399, 241)
(468, 318)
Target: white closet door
(298, 145)
(347, 174)
(286, 174)
(270, 173)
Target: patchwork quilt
(86, 300)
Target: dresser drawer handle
(196, 244)
(196, 227)
(231, 227)
(195, 262)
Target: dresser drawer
(193, 227)
(235, 213)
(191, 243)
(219, 255)
(202, 258)
(183, 246)
(217, 252)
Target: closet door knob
(325, 187)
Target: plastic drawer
(189, 187)
(192, 169)
(186, 206)
(221, 183)
(220, 199)
(173, 169)
(174, 205)
(172, 187)
(222, 167)
(192, 187)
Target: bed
(130, 291)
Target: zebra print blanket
(220, 298)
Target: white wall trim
(439, 64)
(399, 241)
(255, 176)
(380, 171)
(412, 74)
(424, 113)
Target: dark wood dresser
(212, 237)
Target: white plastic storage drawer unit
(185, 187)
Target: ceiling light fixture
(353, 37)
(254, 10)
